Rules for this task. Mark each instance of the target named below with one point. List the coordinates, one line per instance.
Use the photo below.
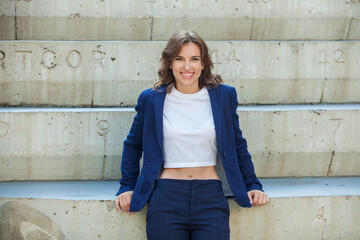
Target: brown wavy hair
(173, 48)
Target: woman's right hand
(123, 201)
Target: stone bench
(305, 208)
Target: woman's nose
(187, 65)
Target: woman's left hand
(257, 197)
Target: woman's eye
(196, 59)
(178, 59)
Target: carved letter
(98, 56)
(324, 53)
(232, 56)
(4, 129)
(24, 56)
(104, 127)
(74, 59)
(2, 55)
(339, 56)
(215, 58)
(48, 59)
(2, 58)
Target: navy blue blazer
(234, 165)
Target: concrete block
(225, 28)
(302, 141)
(114, 73)
(308, 216)
(84, 144)
(158, 19)
(62, 145)
(75, 73)
(22, 222)
(354, 31)
(7, 20)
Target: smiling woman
(197, 53)
(182, 127)
(187, 67)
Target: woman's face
(187, 67)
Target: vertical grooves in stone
(151, 29)
(322, 92)
(330, 164)
(16, 27)
(103, 168)
(104, 159)
(349, 28)
(351, 20)
(93, 93)
(252, 28)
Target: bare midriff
(189, 173)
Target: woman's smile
(187, 75)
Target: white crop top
(189, 130)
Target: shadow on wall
(21, 222)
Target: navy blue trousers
(188, 209)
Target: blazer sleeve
(132, 150)
(244, 158)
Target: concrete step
(7, 20)
(308, 208)
(86, 143)
(157, 19)
(53, 73)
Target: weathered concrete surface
(158, 19)
(83, 144)
(62, 145)
(114, 73)
(285, 217)
(7, 20)
(354, 30)
(21, 222)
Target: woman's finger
(250, 197)
(117, 204)
(261, 198)
(264, 199)
(125, 202)
(122, 204)
(128, 200)
(256, 197)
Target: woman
(194, 153)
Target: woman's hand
(257, 197)
(123, 201)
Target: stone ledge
(157, 20)
(105, 190)
(113, 73)
(287, 216)
(86, 144)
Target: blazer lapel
(216, 110)
(159, 108)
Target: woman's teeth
(187, 74)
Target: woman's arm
(130, 163)
(253, 185)
(244, 157)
